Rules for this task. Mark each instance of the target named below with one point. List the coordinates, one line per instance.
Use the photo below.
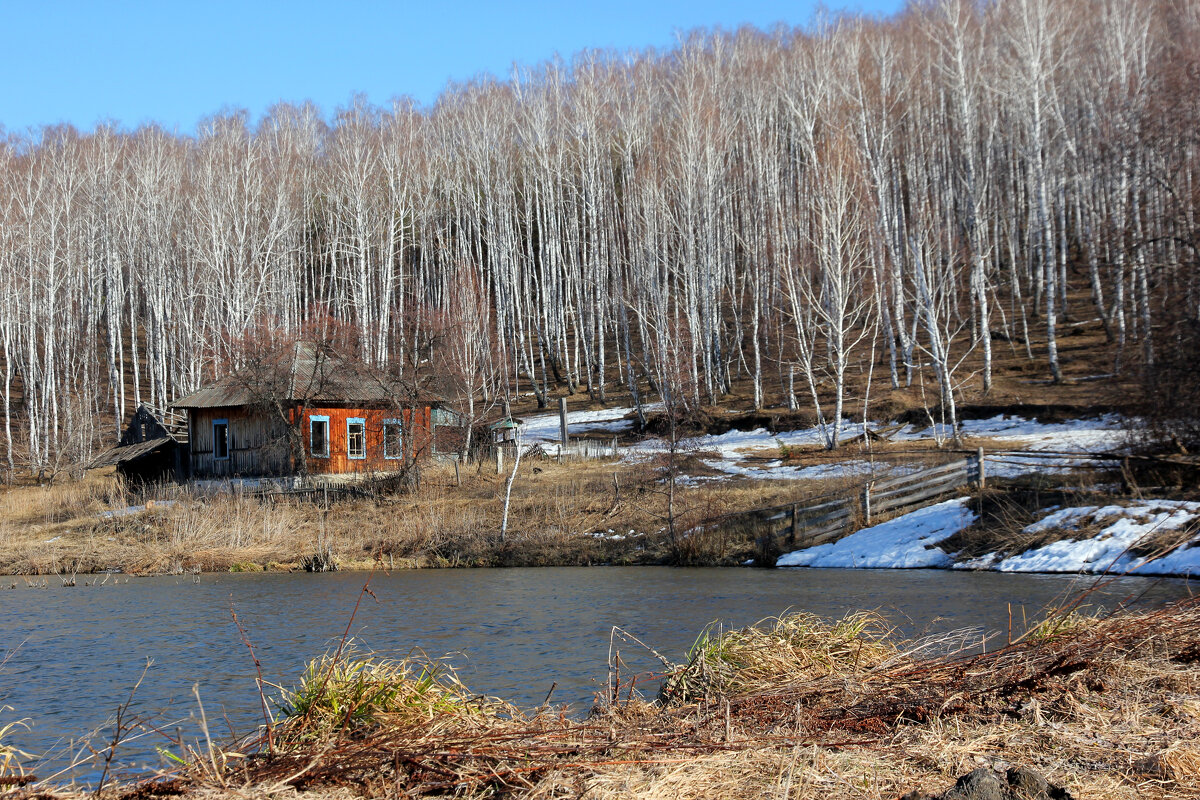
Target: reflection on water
(511, 632)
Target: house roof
(305, 374)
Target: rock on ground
(1018, 783)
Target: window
(393, 439)
(220, 439)
(356, 438)
(318, 436)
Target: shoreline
(1095, 539)
(34, 581)
(1102, 706)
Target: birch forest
(775, 210)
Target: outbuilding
(153, 448)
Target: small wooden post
(457, 477)
(979, 461)
(562, 420)
(866, 504)
(794, 536)
(499, 460)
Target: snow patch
(1108, 551)
(728, 451)
(545, 427)
(906, 542)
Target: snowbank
(911, 541)
(1083, 436)
(1108, 551)
(908, 542)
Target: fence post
(982, 475)
(794, 536)
(499, 460)
(562, 420)
(866, 504)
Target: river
(75, 653)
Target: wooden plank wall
(257, 444)
(417, 439)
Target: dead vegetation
(569, 513)
(1105, 706)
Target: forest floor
(1078, 706)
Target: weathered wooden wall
(258, 443)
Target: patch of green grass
(1057, 626)
(356, 689)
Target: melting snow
(1108, 551)
(909, 541)
(727, 452)
(544, 427)
(1082, 436)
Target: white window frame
(216, 423)
(318, 418)
(356, 421)
(400, 425)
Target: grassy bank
(1103, 706)
(563, 514)
(573, 513)
(615, 511)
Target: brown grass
(562, 513)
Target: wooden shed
(153, 448)
(309, 413)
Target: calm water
(77, 652)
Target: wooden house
(311, 412)
(153, 448)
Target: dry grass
(795, 648)
(557, 508)
(349, 692)
(62, 502)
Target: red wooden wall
(417, 443)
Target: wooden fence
(796, 526)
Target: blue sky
(175, 62)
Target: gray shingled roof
(305, 375)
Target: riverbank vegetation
(562, 514)
(1101, 705)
